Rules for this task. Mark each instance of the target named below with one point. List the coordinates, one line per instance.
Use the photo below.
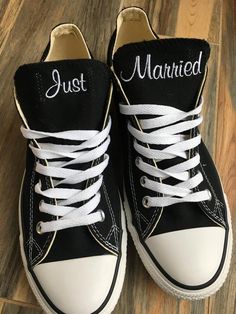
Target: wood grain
(198, 18)
(225, 145)
(24, 31)
(11, 308)
(209, 125)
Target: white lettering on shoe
(76, 85)
(163, 71)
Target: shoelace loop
(167, 126)
(59, 157)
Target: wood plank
(8, 17)
(199, 19)
(162, 14)
(10, 308)
(183, 18)
(208, 126)
(225, 300)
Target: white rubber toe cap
(190, 256)
(77, 286)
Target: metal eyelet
(143, 181)
(106, 156)
(102, 215)
(39, 227)
(145, 202)
(40, 203)
(137, 161)
(210, 195)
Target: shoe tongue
(163, 71)
(63, 95)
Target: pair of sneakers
(83, 166)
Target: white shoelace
(93, 145)
(171, 124)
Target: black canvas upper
(145, 71)
(80, 104)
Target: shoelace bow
(93, 145)
(171, 124)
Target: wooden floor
(24, 30)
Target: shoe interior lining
(132, 26)
(67, 42)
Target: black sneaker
(176, 209)
(72, 229)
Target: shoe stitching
(39, 84)
(50, 235)
(143, 232)
(150, 223)
(95, 229)
(144, 218)
(31, 238)
(35, 244)
(153, 218)
(112, 231)
(114, 225)
(97, 232)
(218, 203)
(137, 213)
(32, 242)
